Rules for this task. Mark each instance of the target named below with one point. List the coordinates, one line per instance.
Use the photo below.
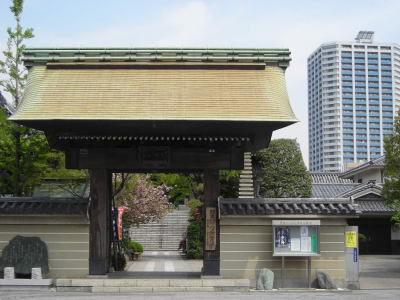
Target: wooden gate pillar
(211, 263)
(100, 221)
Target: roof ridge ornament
(40, 56)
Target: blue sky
(300, 25)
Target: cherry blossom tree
(144, 202)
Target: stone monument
(25, 253)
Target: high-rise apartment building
(353, 96)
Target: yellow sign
(351, 239)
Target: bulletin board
(296, 237)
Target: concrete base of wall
(301, 283)
(152, 285)
(25, 284)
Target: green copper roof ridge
(253, 55)
(154, 48)
(82, 58)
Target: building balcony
(349, 114)
(347, 90)
(348, 126)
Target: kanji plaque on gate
(211, 228)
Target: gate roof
(156, 84)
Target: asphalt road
(353, 295)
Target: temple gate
(154, 110)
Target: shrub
(194, 240)
(362, 238)
(136, 247)
(193, 204)
(125, 246)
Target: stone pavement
(164, 261)
(162, 264)
(380, 272)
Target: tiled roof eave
(288, 206)
(376, 163)
(43, 206)
(328, 177)
(200, 119)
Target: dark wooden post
(211, 264)
(100, 221)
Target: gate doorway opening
(375, 235)
(158, 209)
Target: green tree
(391, 187)
(281, 171)
(229, 183)
(182, 186)
(190, 185)
(21, 141)
(30, 148)
(11, 66)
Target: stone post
(100, 221)
(211, 263)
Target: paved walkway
(380, 271)
(161, 264)
(270, 295)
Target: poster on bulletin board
(296, 237)
(351, 239)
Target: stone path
(165, 234)
(162, 264)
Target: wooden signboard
(211, 228)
